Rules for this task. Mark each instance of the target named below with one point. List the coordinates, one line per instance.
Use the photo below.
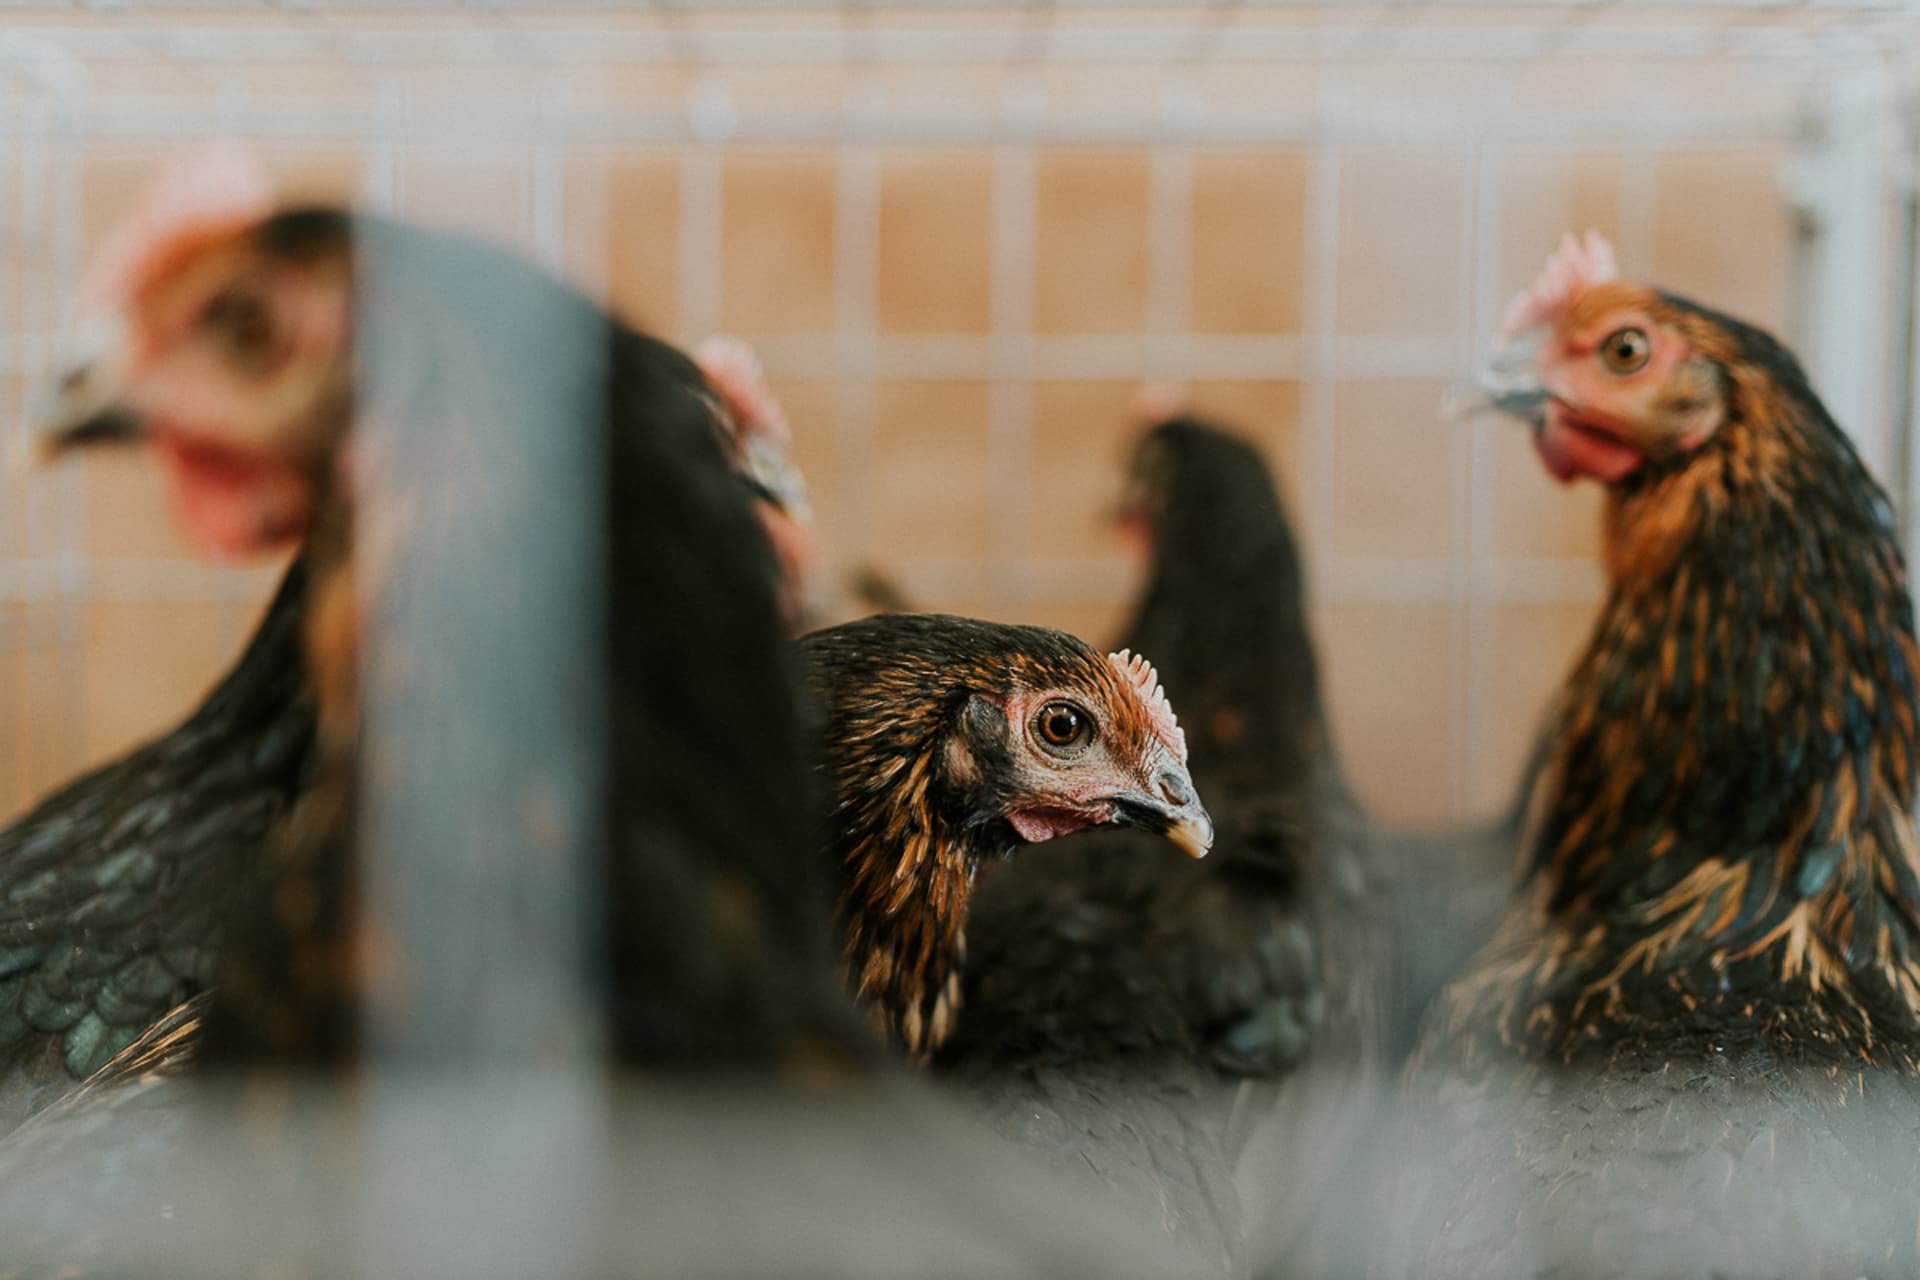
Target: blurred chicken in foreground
(760, 445)
(120, 883)
(251, 342)
(1690, 1047)
(411, 469)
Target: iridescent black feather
(1691, 1046)
(114, 890)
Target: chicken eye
(243, 323)
(1626, 350)
(1063, 727)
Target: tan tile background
(958, 332)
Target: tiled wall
(958, 334)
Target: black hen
(1119, 998)
(114, 890)
(706, 766)
(740, 1178)
(1691, 1047)
(949, 744)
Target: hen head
(1010, 734)
(951, 742)
(759, 444)
(1613, 375)
(218, 331)
(1077, 748)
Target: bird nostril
(1176, 789)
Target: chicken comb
(1134, 669)
(1160, 401)
(734, 370)
(1578, 264)
(211, 192)
(757, 433)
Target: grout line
(46, 580)
(1479, 497)
(856, 284)
(1639, 189)
(1096, 357)
(15, 732)
(547, 190)
(1010, 397)
(380, 162)
(1169, 252)
(1320, 316)
(1347, 580)
(702, 207)
(64, 184)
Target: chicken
(949, 744)
(1690, 1046)
(114, 889)
(759, 445)
(1121, 1000)
(720, 1172)
(249, 343)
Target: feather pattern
(1702, 1008)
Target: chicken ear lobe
(978, 749)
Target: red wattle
(1037, 825)
(1570, 449)
(230, 502)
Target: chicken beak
(85, 406)
(1508, 383)
(1192, 833)
(1174, 811)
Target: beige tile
(110, 179)
(1097, 622)
(39, 739)
(129, 516)
(1267, 413)
(643, 242)
(319, 175)
(932, 493)
(1082, 435)
(777, 229)
(472, 189)
(1544, 196)
(1090, 242)
(146, 665)
(1721, 232)
(1393, 468)
(1532, 513)
(1387, 669)
(243, 617)
(809, 404)
(1402, 231)
(1527, 651)
(1249, 242)
(935, 268)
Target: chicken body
(1134, 1020)
(950, 743)
(708, 815)
(1690, 1046)
(718, 976)
(114, 890)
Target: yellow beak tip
(1192, 838)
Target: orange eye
(243, 322)
(1626, 350)
(1063, 727)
